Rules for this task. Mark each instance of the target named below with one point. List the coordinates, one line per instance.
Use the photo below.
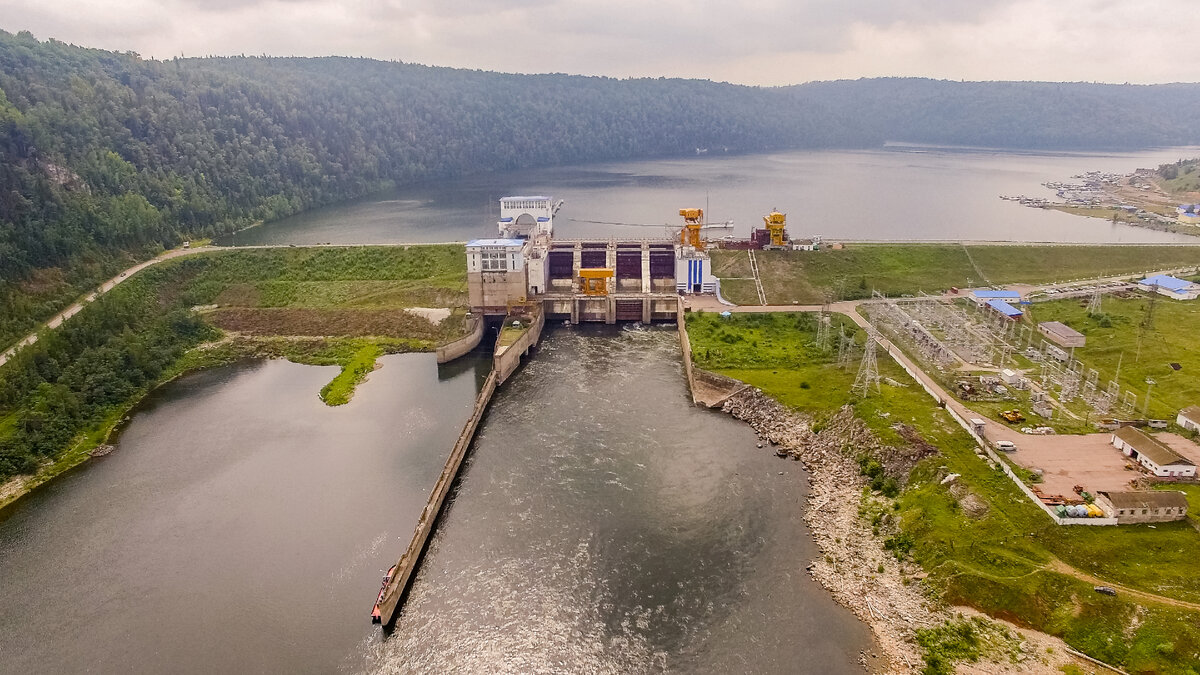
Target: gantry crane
(776, 224)
(693, 222)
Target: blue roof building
(1167, 285)
(1005, 309)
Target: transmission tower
(868, 370)
(1094, 304)
(823, 326)
(1148, 320)
(845, 348)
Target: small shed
(1152, 454)
(1061, 334)
(1151, 506)
(1189, 418)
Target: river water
(240, 526)
(604, 525)
(896, 193)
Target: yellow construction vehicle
(1012, 416)
(693, 222)
(776, 224)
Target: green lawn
(1114, 336)
(993, 562)
(809, 277)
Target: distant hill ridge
(104, 154)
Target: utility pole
(1146, 406)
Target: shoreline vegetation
(65, 395)
(1144, 198)
(913, 524)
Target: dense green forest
(106, 157)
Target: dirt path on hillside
(1056, 565)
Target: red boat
(387, 578)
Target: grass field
(853, 272)
(1115, 337)
(1003, 562)
(1187, 178)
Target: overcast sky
(768, 42)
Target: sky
(756, 42)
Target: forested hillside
(1024, 115)
(106, 156)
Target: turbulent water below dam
(602, 525)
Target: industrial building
(1003, 308)
(1062, 334)
(1157, 506)
(983, 295)
(496, 274)
(1188, 214)
(583, 280)
(527, 217)
(811, 244)
(1164, 284)
(1189, 418)
(1152, 454)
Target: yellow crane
(776, 224)
(693, 222)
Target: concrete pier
(504, 362)
(465, 345)
(406, 568)
(508, 357)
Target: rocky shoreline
(882, 592)
(851, 557)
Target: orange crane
(776, 224)
(693, 222)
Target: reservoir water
(902, 193)
(604, 525)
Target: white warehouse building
(1152, 454)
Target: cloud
(753, 41)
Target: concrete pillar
(610, 255)
(610, 314)
(575, 310)
(645, 268)
(576, 265)
(646, 303)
